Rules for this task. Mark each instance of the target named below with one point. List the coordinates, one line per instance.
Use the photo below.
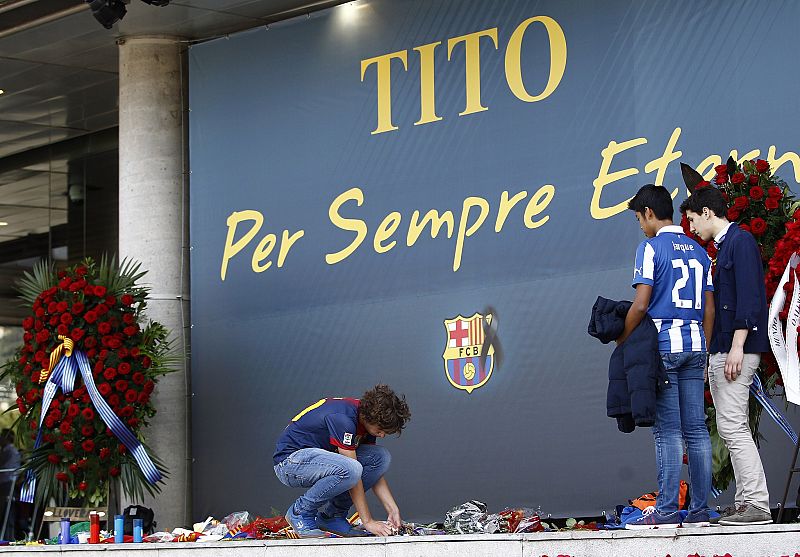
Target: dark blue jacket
(740, 297)
(635, 372)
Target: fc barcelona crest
(463, 365)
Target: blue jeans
(680, 417)
(329, 476)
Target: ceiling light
(3, 223)
(1, 91)
(107, 12)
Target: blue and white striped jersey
(679, 270)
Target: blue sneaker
(651, 518)
(338, 525)
(305, 526)
(697, 519)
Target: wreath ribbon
(62, 375)
(787, 359)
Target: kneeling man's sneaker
(747, 515)
(340, 526)
(651, 518)
(305, 526)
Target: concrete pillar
(154, 229)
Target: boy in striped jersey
(672, 277)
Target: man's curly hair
(382, 407)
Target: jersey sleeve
(368, 440)
(342, 431)
(645, 264)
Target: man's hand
(733, 363)
(378, 528)
(394, 518)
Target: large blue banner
(365, 181)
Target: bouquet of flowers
(84, 378)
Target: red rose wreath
(85, 348)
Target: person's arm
(709, 310)
(360, 501)
(384, 495)
(733, 363)
(637, 311)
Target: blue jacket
(635, 372)
(740, 297)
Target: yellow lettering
(558, 59)
(437, 221)
(427, 86)
(231, 247)
(355, 225)
(262, 251)
(385, 230)
(604, 178)
(286, 244)
(472, 63)
(661, 163)
(465, 231)
(384, 74)
(505, 208)
(538, 203)
(776, 163)
(706, 166)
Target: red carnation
(762, 165)
(149, 387)
(90, 342)
(81, 271)
(775, 192)
(737, 178)
(30, 397)
(114, 343)
(54, 458)
(66, 318)
(104, 389)
(138, 378)
(124, 368)
(73, 468)
(144, 398)
(77, 308)
(110, 373)
(128, 318)
(103, 354)
(104, 452)
(83, 463)
(82, 486)
(111, 300)
(741, 202)
(76, 334)
(53, 321)
(39, 312)
(35, 376)
(88, 289)
(758, 226)
(102, 309)
(65, 428)
(733, 214)
(99, 291)
(146, 361)
(133, 422)
(771, 204)
(27, 323)
(104, 328)
(127, 411)
(21, 405)
(62, 477)
(721, 169)
(87, 431)
(113, 400)
(753, 179)
(52, 307)
(130, 396)
(61, 306)
(88, 414)
(62, 329)
(88, 445)
(720, 179)
(127, 299)
(73, 410)
(122, 353)
(68, 446)
(122, 449)
(121, 385)
(131, 330)
(90, 316)
(113, 471)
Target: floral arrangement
(92, 315)
(763, 205)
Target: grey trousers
(731, 401)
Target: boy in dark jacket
(740, 336)
(672, 277)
